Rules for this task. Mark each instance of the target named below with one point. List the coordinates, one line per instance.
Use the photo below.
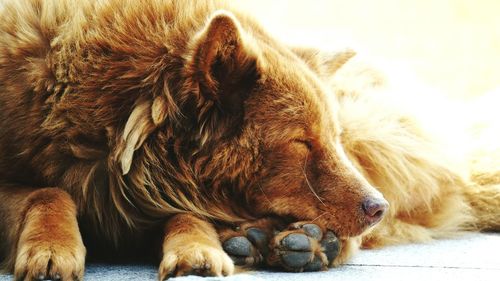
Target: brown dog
(140, 121)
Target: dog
(181, 127)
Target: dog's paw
(247, 247)
(195, 259)
(49, 261)
(248, 244)
(303, 247)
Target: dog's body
(145, 119)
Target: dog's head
(259, 130)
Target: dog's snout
(374, 209)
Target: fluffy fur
(158, 118)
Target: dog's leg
(192, 246)
(40, 233)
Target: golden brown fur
(426, 159)
(158, 117)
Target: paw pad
(304, 247)
(242, 251)
(331, 246)
(238, 246)
(296, 242)
(313, 231)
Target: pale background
(453, 45)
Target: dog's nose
(374, 209)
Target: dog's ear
(223, 62)
(326, 63)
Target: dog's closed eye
(304, 142)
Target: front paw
(246, 246)
(195, 259)
(43, 260)
(303, 247)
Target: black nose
(374, 209)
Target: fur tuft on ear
(223, 61)
(159, 110)
(137, 129)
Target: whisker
(325, 213)
(261, 189)
(309, 184)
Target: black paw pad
(313, 231)
(259, 239)
(296, 251)
(238, 246)
(241, 251)
(296, 242)
(331, 246)
(299, 251)
(315, 265)
(296, 260)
